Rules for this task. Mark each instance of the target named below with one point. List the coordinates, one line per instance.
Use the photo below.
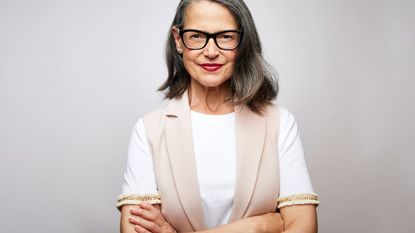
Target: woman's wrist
(268, 223)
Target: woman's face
(209, 66)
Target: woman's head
(234, 55)
(204, 60)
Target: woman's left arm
(299, 219)
(297, 201)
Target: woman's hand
(148, 218)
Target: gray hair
(253, 81)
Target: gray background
(76, 75)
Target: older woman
(220, 157)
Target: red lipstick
(211, 67)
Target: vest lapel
(250, 136)
(179, 142)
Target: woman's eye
(226, 37)
(196, 36)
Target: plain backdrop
(76, 75)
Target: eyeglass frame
(210, 35)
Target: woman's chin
(211, 81)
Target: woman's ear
(177, 39)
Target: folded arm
(147, 218)
(293, 219)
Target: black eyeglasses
(225, 40)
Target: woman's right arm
(139, 179)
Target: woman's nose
(211, 50)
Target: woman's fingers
(143, 213)
(139, 229)
(149, 218)
(149, 207)
(144, 223)
(153, 213)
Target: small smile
(211, 67)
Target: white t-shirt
(215, 150)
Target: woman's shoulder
(156, 113)
(152, 115)
(151, 123)
(286, 116)
(282, 113)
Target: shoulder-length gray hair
(252, 83)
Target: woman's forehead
(209, 16)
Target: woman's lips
(211, 67)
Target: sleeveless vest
(169, 133)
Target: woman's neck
(210, 100)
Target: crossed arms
(146, 218)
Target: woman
(220, 157)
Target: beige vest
(169, 134)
